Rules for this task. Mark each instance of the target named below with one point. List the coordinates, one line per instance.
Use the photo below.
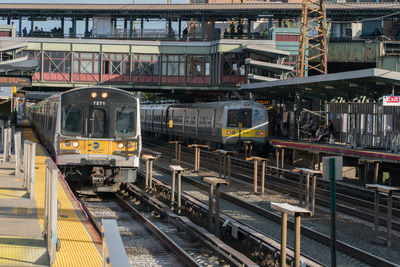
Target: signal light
(228, 132)
(262, 133)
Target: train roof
(219, 104)
(89, 88)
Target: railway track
(150, 239)
(346, 194)
(358, 256)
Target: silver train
(93, 134)
(218, 124)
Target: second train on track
(224, 124)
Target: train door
(213, 122)
(97, 122)
(197, 122)
(245, 117)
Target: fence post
(17, 148)
(51, 212)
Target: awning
(268, 66)
(265, 50)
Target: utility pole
(312, 38)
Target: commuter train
(219, 124)
(92, 133)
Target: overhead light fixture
(353, 85)
(380, 83)
(329, 87)
(308, 89)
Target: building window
(87, 63)
(146, 65)
(173, 65)
(57, 62)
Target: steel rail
(323, 202)
(155, 230)
(341, 246)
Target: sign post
(333, 168)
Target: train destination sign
(391, 100)
(15, 81)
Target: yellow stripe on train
(97, 147)
(234, 132)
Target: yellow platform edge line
(77, 246)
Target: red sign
(391, 100)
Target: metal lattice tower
(312, 38)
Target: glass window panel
(46, 65)
(182, 69)
(164, 68)
(233, 117)
(86, 55)
(71, 120)
(245, 117)
(97, 122)
(173, 58)
(172, 69)
(155, 68)
(145, 57)
(76, 66)
(126, 121)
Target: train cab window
(71, 120)
(237, 116)
(233, 118)
(126, 121)
(245, 117)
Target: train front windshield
(239, 116)
(71, 120)
(125, 122)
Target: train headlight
(257, 133)
(67, 143)
(228, 132)
(104, 95)
(262, 133)
(120, 145)
(75, 144)
(93, 94)
(128, 144)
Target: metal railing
(29, 167)
(50, 210)
(114, 253)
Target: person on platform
(331, 132)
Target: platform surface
(21, 241)
(22, 220)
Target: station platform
(22, 220)
(339, 150)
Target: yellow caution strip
(77, 247)
(22, 251)
(13, 193)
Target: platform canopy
(372, 83)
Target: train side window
(71, 120)
(126, 121)
(233, 118)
